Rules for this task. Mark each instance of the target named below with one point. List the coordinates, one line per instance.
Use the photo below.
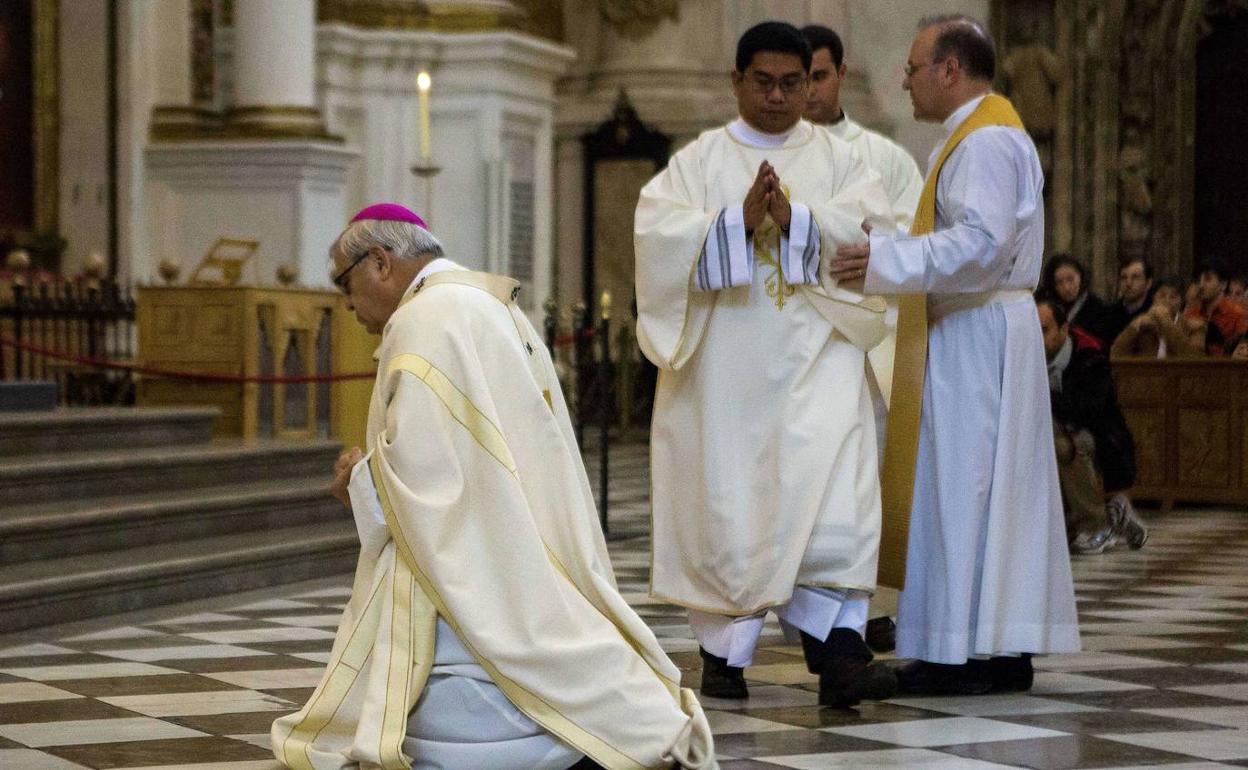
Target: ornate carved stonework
(1122, 182)
(635, 19)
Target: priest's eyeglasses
(341, 281)
(910, 69)
(789, 84)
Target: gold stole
(905, 409)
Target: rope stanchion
(172, 374)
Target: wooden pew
(1189, 418)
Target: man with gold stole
(484, 629)
(987, 579)
(765, 475)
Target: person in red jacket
(1227, 319)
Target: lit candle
(423, 81)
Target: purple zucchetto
(390, 212)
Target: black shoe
(846, 674)
(1011, 674)
(720, 680)
(882, 634)
(922, 678)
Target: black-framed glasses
(339, 279)
(789, 84)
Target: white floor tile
(183, 652)
(993, 705)
(200, 703)
(890, 759)
(86, 671)
(1053, 683)
(1226, 716)
(29, 759)
(945, 732)
(308, 621)
(259, 635)
(1208, 744)
(38, 648)
(276, 679)
(85, 731)
(25, 692)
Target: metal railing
(606, 382)
(88, 318)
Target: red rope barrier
(568, 339)
(171, 374)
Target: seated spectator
(1237, 289)
(1064, 280)
(1095, 451)
(1227, 321)
(1135, 297)
(1161, 332)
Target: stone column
(275, 67)
(172, 109)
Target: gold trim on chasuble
(537, 709)
(408, 605)
(901, 448)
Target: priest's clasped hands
(766, 197)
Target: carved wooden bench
(1190, 422)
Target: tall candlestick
(423, 82)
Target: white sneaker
(1126, 523)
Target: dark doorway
(17, 170)
(1221, 224)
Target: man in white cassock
(484, 630)
(987, 579)
(902, 182)
(765, 476)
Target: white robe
(900, 175)
(904, 184)
(763, 457)
(988, 570)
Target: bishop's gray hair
(405, 240)
(965, 39)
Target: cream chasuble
(489, 526)
(764, 464)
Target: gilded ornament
(18, 260)
(168, 270)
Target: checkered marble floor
(1163, 680)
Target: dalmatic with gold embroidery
(489, 523)
(764, 465)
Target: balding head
(952, 60)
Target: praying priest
(484, 630)
(765, 475)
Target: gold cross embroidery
(765, 238)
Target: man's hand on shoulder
(342, 474)
(850, 262)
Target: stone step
(50, 591)
(102, 428)
(74, 478)
(52, 530)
